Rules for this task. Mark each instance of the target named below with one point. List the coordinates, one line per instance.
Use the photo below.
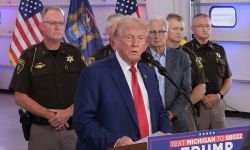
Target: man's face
(202, 28)
(175, 30)
(53, 26)
(130, 43)
(157, 35)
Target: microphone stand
(164, 72)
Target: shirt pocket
(221, 67)
(68, 68)
(40, 78)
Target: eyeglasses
(160, 32)
(53, 23)
(202, 26)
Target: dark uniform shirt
(214, 61)
(49, 77)
(103, 53)
(197, 71)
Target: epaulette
(32, 47)
(217, 45)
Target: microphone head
(146, 57)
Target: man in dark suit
(178, 65)
(117, 100)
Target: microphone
(148, 58)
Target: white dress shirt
(125, 68)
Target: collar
(45, 51)
(155, 54)
(125, 66)
(198, 45)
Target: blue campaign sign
(220, 139)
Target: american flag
(126, 7)
(27, 31)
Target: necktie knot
(132, 69)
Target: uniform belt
(39, 120)
(43, 121)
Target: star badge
(69, 59)
(218, 55)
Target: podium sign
(219, 139)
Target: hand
(59, 120)
(124, 141)
(210, 100)
(170, 115)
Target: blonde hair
(130, 21)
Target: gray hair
(48, 8)
(200, 15)
(112, 20)
(158, 19)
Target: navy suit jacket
(178, 66)
(104, 108)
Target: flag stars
(126, 7)
(30, 7)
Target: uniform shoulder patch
(198, 62)
(84, 60)
(20, 65)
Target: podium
(140, 146)
(227, 139)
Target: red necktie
(139, 104)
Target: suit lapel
(122, 85)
